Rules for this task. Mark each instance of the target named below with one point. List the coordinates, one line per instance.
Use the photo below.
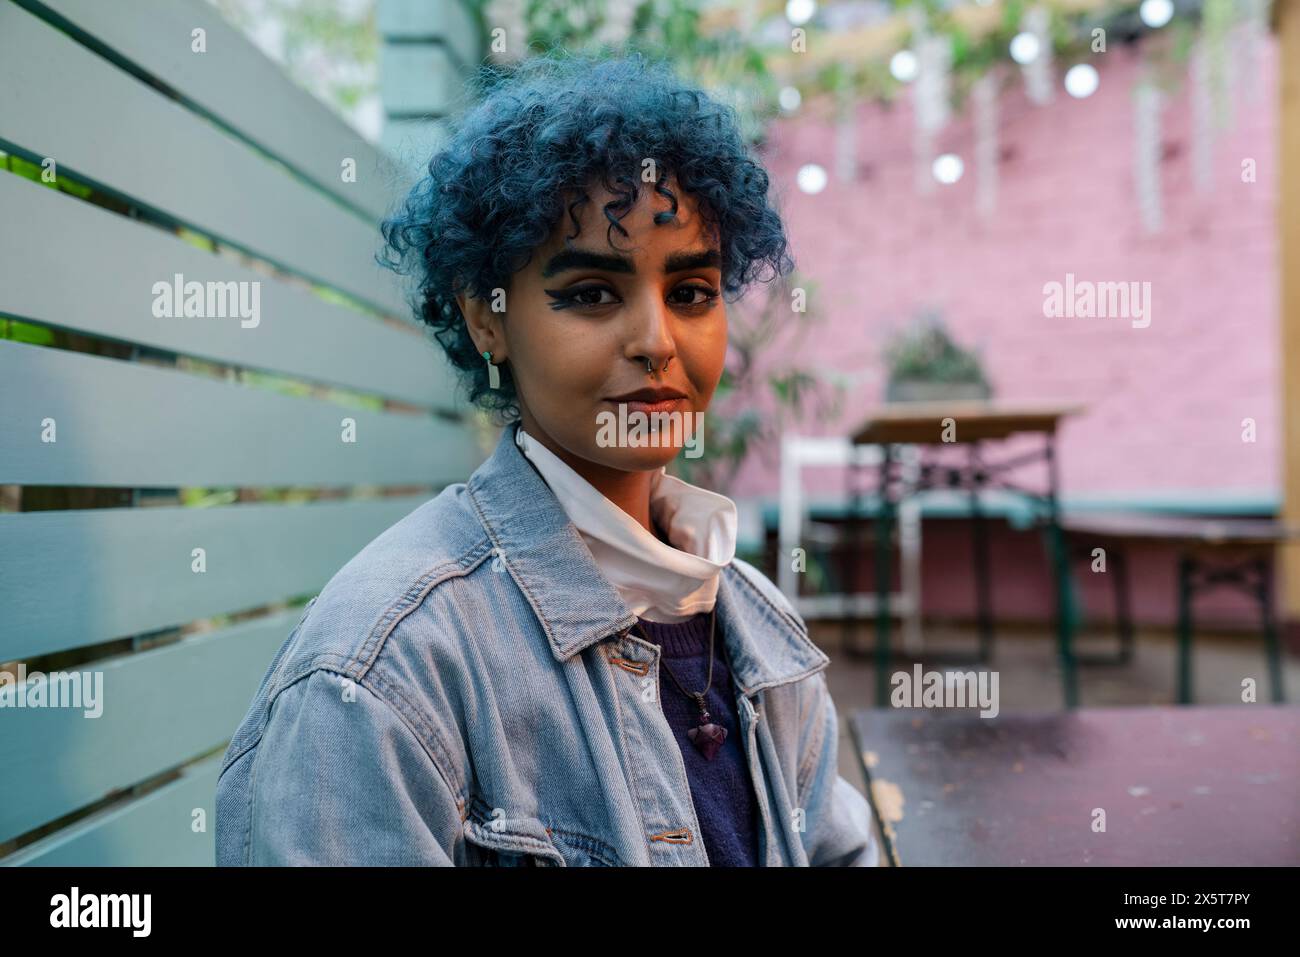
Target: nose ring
(649, 366)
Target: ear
(485, 325)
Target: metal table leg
(980, 546)
(1061, 573)
(1118, 574)
(884, 511)
(849, 562)
(1186, 568)
(1123, 606)
(1265, 572)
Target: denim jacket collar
(577, 606)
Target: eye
(584, 297)
(693, 295)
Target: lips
(649, 407)
(651, 400)
(650, 395)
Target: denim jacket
(466, 691)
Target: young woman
(561, 661)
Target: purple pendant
(708, 737)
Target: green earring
(494, 374)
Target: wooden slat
(151, 831)
(82, 576)
(104, 126)
(450, 22)
(418, 78)
(159, 709)
(238, 85)
(128, 424)
(119, 260)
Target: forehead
(687, 228)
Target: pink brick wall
(1164, 403)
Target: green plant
(329, 47)
(724, 60)
(925, 352)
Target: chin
(647, 459)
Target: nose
(650, 334)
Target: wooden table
(922, 423)
(1179, 786)
(1214, 553)
(1187, 530)
(972, 424)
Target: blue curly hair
(522, 158)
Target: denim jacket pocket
(510, 842)
(583, 850)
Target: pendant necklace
(706, 736)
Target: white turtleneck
(659, 581)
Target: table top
(1186, 529)
(1179, 785)
(976, 420)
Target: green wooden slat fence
(215, 167)
(76, 577)
(107, 127)
(118, 261)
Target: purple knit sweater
(721, 789)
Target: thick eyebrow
(702, 259)
(588, 259)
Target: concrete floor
(1029, 678)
